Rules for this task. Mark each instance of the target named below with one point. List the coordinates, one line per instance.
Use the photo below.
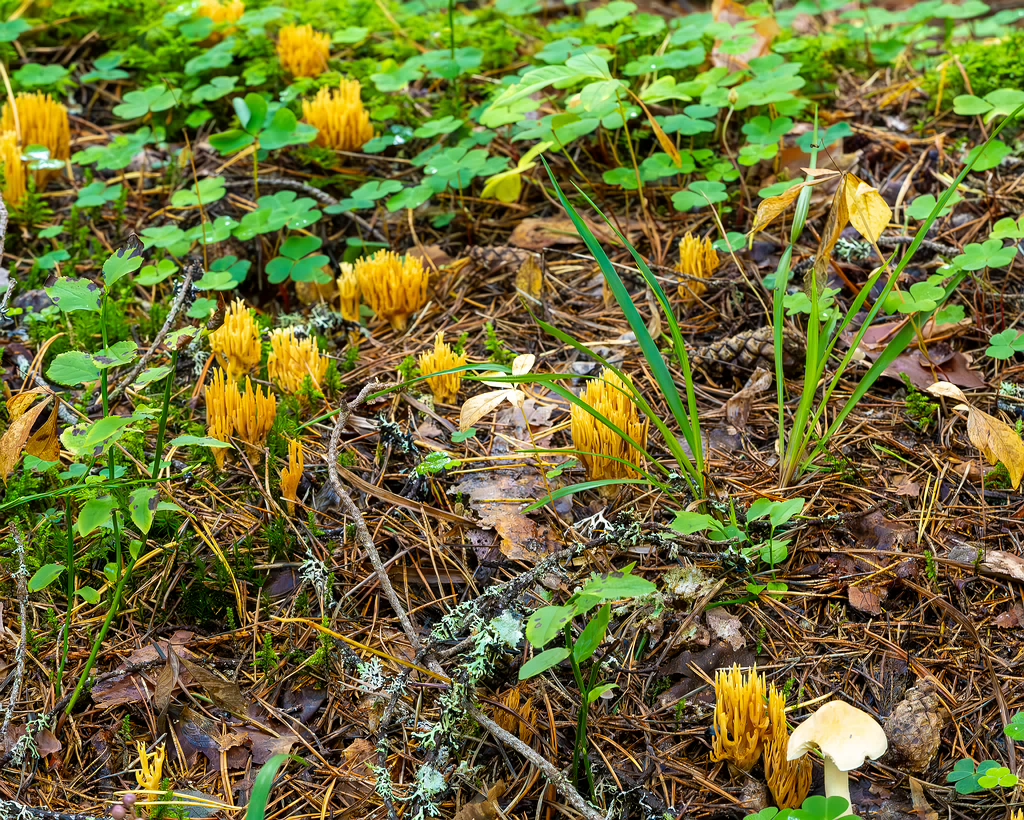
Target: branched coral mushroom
(348, 290)
(222, 11)
(303, 52)
(219, 424)
(14, 169)
(38, 119)
(254, 414)
(789, 781)
(698, 261)
(292, 359)
(741, 719)
(292, 474)
(339, 116)
(445, 388)
(598, 444)
(394, 286)
(236, 343)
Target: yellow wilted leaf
(835, 224)
(12, 445)
(770, 209)
(997, 442)
(44, 443)
(505, 187)
(666, 144)
(868, 212)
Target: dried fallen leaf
(864, 599)
(224, 693)
(12, 445)
(1011, 618)
(835, 224)
(737, 408)
(773, 207)
(998, 441)
(483, 807)
(868, 212)
(44, 443)
(530, 281)
(922, 808)
(1004, 563)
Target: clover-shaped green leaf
(699, 195)
(998, 777)
(155, 274)
(988, 254)
(118, 154)
(34, 75)
(215, 89)
(97, 194)
(988, 155)
(921, 297)
(285, 129)
(1007, 228)
(202, 193)
(296, 263)
(11, 30)
(375, 190)
(154, 99)
(411, 198)
(922, 206)
(105, 69)
(219, 56)
(1015, 728)
(435, 128)
(764, 131)
(1002, 346)
(753, 154)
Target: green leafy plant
(550, 622)
(969, 778)
(813, 808)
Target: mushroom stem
(837, 782)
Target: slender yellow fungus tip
(15, 186)
(254, 414)
(698, 261)
(741, 719)
(395, 287)
(339, 116)
(222, 12)
(292, 359)
(236, 343)
(445, 388)
(598, 444)
(40, 120)
(151, 768)
(292, 474)
(303, 52)
(788, 780)
(218, 413)
(348, 290)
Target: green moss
(204, 606)
(989, 67)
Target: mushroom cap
(845, 734)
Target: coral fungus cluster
(394, 286)
(293, 359)
(292, 474)
(698, 261)
(339, 116)
(222, 11)
(603, 451)
(247, 414)
(303, 52)
(32, 119)
(236, 343)
(445, 387)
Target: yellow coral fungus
(292, 474)
(219, 424)
(14, 168)
(516, 717)
(348, 290)
(228, 11)
(339, 116)
(292, 359)
(445, 388)
(395, 287)
(741, 718)
(303, 52)
(151, 768)
(253, 416)
(598, 444)
(698, 261)
(236, 343)
(788, 780)
(39, 120)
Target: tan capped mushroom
(846, 737)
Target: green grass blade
(261, 787)
(648, 345)
(572, 489)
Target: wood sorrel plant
(548, 622)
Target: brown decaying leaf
(664, 141)
(23, 419)
(835, 224)
(773, 207)
(44, 443)
(224, 693)
(997, 442)
(865, 599)
(530, 281)
(483, 808)
(737, 408)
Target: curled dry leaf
(868, 212)
(23, 418)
